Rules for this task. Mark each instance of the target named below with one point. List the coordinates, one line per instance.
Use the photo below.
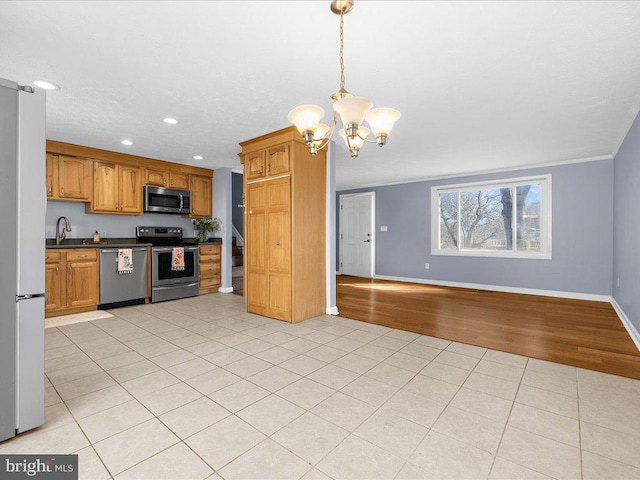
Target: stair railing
(236, 233)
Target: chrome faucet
(60, 236)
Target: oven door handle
(170, 249)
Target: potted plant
(205, 225)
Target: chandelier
(352, 110)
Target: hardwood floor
(573, 332)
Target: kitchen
(102, 205)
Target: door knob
(367, 241)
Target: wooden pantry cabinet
(71, 280)
(68, 178)
(209, 268)
(117, 189)
(284, 193)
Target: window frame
(545, 252)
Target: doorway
(357, 234)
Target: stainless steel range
(167, 281)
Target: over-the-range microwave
(166, 200)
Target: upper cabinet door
(105, 187)
(254, 165)
(278, 160)
(201, 196)
(179, 180)
(52, 175)
(73, 178)
(130, 190)
(157, 178)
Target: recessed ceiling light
(128, 143)
(46, 85)
(198, 157)
(170, 121)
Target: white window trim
(545, 217)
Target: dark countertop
(118, 243)
(111, 243)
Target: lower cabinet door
(82, 284)
(53, 281)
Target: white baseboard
(633, 333)
(332, 310)
(499, 288)
(225, 289)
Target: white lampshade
(352, 109)
(357, 142)
(320, 132)
(306, 117)
(381, 120)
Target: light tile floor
(198, 388)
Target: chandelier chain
(342, 50)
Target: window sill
(468, 253)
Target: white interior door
(357, 235)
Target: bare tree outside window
(486, 219)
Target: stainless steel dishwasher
(115, 287)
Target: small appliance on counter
(174, 263)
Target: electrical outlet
(384, 228)
(426, 266)
(103, 234)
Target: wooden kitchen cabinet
(167, 179)
(210, 270)
(201, 196)
(68, 178)
(254, 165)
(156, 178)
(55, 286)
(116, 189)
(71, 281)
(284, 227)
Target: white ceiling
(481, 85)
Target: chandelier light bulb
(355, 144)
(320, 132)
(306, 118)
(381, 121)
(352, 111)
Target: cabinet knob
(61, 190)
(278, 243)
(116, 206)
(69, 269)
(50, 189)
(57, 270)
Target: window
(506, 218)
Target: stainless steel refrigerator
(22, 238)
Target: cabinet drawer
(210, 258)
(209, 267)
(51, 256)
(210, 249)
(84, 254)
(209, 282)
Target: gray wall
(236, 199)
(626, 232)
(582, 234)
(116, 226)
